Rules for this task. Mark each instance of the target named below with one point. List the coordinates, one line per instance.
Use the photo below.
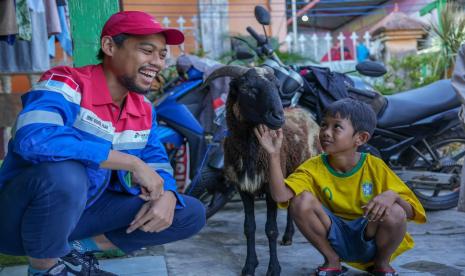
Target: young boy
(348, 204)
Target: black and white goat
(254, 99)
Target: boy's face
(337, 135)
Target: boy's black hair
(118, 39)
(360, 114)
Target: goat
(254, 99)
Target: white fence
(314, 46)
(333, 50)
(188, 28)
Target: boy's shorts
(347, 237)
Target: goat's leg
(271, 229)
(289, 232)
(249, 230)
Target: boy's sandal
(383, 272)
(330, 271)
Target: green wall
(87, 18)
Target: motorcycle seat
(410, 106)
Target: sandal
(383, 272)
(330, 271)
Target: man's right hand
(150, 182)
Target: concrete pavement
(219, 249)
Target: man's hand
(378, 208)
(271, 140)
(151, 182)
(155, 215)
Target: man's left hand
(155, 215)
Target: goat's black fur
(246, 162)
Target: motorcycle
(179, 130)
(418, 135)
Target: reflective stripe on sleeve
(37, 117)
(161, 166)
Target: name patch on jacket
(131, 139)
(89, 122)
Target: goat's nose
(277, 116)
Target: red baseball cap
(140, 23)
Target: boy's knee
(303, 203)
(397, 215)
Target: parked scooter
(418, 135)
(179, 130)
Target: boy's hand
(378, 207)
(271, 140)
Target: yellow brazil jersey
(344, 194)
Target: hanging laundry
(28, 56)
(23, 17)
(53, 21)
(64, 37)
(36, 5)
(51, 46)
(8, 24)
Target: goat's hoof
(286, 242)
(273, 271)
(248, 271)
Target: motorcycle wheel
(449, 147)
(211, 189)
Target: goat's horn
(232, 71)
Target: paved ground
(135, 266)
(219, 249)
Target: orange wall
(173, 10)
(241, 15)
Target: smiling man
(85, 171)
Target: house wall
(241, 15)
(172, 10)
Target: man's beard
(130, 85)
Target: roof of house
(396, 20)
(333, 14)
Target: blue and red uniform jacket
(70, 115)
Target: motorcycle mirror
(371, 69)
(243, 53)
(262, 15)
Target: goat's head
(254, 94)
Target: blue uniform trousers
(45, 207)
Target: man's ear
(362, 138)
(107, 45)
